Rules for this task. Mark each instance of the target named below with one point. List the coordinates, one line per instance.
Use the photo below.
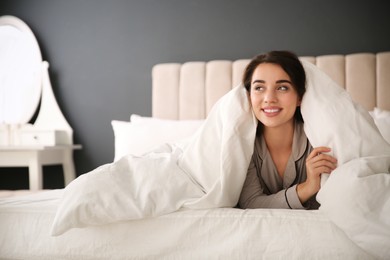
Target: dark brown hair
(289, 63)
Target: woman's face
(273, 97)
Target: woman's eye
(258, 88)
(283, 88)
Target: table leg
(35, 174)
(68, 167)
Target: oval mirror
(20, 71)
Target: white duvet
(208, 170)
(356, 196)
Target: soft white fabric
(356, 197)
(143, 134)
(206, 171)
(380, 113)
(383, 125)
(382, 121)
(223, 233)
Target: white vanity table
(35, 157)
(25, 86)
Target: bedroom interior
(101, 54)
(123, 210)
(124, 78)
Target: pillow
(143, 134)
(380, 113)
(382, 121)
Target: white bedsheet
(222, 233)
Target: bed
(183, 96)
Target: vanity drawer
(49, 138)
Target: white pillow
(380, 113)
(382, 121)
(143, 134)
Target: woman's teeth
(271, 110)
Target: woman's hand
(317, 162)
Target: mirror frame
(34, 94)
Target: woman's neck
(279, 138)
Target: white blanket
(208, 170)
(356, 197)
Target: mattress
(223, 233)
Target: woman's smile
(271, 111)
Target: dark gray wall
(101, 52)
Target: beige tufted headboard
(189, 90)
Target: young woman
(285, 170)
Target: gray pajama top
(264, 188)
